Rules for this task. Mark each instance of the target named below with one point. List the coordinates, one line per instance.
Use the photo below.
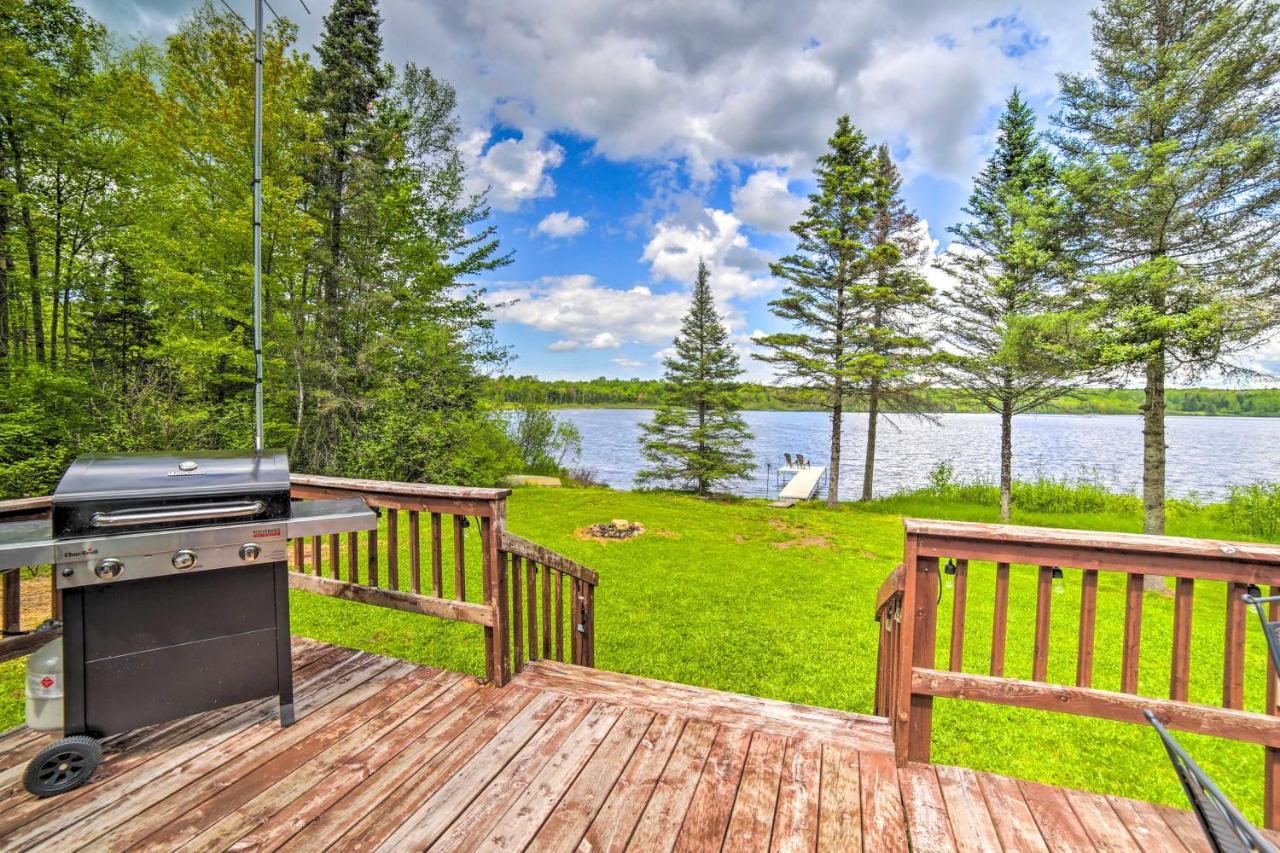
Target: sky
(622, 140)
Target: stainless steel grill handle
(164, 515)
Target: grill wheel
(62, 766)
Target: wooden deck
(390, 755)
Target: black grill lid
(141, 477)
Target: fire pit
(619, 528)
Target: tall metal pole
(257, 226)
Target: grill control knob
(184, 559)
(108, 568)
(250, 552)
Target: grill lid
(143, 477)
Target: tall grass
(1254, 509)
(1044, 494)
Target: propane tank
(44, 688)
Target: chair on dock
(787, 456)
(801, 462)
(1228, 831)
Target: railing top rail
(23, 505)
(1095, 541)
(532, 551)
(411, 490)
(891, 586)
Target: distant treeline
(644, 393)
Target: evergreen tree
(1009, 277)
(891, 359)
(697, 440)
(1173, 146)
(832, 255)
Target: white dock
(802, 486)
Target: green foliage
(697, 440)
(1173, 163)
(1254, 509)
(134, 295)
(543, 441)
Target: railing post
(1271, 762)
(12, 593)
(497, 639)
(913, 721)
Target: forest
(125, 258)
(605, 392)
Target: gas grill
(173, 575)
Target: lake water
(1206, 454)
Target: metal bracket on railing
(582, 625)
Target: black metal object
(1227, 830)
(148, 485)
(146, 651)
(1269, 628)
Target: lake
(1206, 454)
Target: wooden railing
(907, 678)
(469, 569)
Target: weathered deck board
(388, 755)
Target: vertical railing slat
(1233, 648)
(1044, 604)
(393, 549)
(353, 557)
(459, 560)
(546, 612)
(531, 603)
(559, 617)
(1088, 621)
(1132, 648)
(12, 592)
(415, 554)
(1000, 619)
(437, 557)
(959, 600)
(317, 561)
(298, 564)
(373, 557)
(1180, 671)
(517, 613)
(334, 556)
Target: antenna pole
(257, 226)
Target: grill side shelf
(25, 543)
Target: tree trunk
(33, 253)
(833, 480)
(1153, 456)
(873, 419)
(57, 268)
(1006, 459)
(4, 285)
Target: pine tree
(697, 440)
(891, 358)
(832, 255)
(1009, 275)
(345, 92)
(1173, 146)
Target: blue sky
(622, 140)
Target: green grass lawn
(780, 603)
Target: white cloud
(561, 224)
(715, 236)
(514, 170)
(765, 202)
(604, 340)
(585, 314)
(714, 85)
(629, 363)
